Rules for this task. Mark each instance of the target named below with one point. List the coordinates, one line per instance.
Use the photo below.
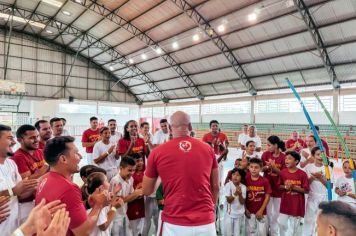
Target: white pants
(137, 226)
(24, 211)
(151, 211)
(159, 223)
(201, 230)
(90, 160)
(256, 227)
(311, 213)
(289, 225)
(272, 215)
(121, 227)
(232, 226)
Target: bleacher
(232, 130)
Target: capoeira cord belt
(341, 140)
(316, 135)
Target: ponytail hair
(276, 140)
(94, 180)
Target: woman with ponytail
(273, 163)
(96, 181)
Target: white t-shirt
(234, 209)
(256, 139)
(254, 154)
(9, 177)
(316, 187)
(346, 185)
(114, 139)
(242, 137)
(109, 162)
(151, 137)
(160, 137)
(126, 189)
(103, 217)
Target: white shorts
(201, 230)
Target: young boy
(258, 194)
(124, 178)
(294, 184)
(344, 187)
(235, 194)
(136, 208)
(317, 193)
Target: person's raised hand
(4, 208)
(58, 225)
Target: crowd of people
(169, 182)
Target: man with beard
(114, 135)
(45, 132)
(57, 126)
(11, 183)
(30, 163)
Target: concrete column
(252, 112)
(336, 94)
(200, 114)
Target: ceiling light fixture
(111, 68)
(175, 45)
(22, 20)
(49, 32)
(79, 1)
(221, 28)
(53, 3)
(144, 56)
(196, 37)
(252, 17)
(67, 13)
(131, 61)
(158, 51)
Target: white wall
(347, 117)
(290, 118)
(227, 118)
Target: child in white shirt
(344, 187)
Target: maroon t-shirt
(136, 208)
(290, 143)
(215, 141)
(293, 203)
(256, 193)
(26, 162)
(273, 177)
(184, 165)
(90, 136)
(138, 147)
(55, 187)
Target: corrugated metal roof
(270, 48)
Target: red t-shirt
(273, 177)
(136, 208)
(139, 146)
(256, 193)
(41, 145)
(55, 187)
(90, 136)
(290, 143)
(184, 165)
(27, 162)
(215, 141)
(293, 203)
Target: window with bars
(226, 108)
(292, 105)
(347, 103)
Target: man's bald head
(336, 218)
(180, 124)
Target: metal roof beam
(218, 41)
(128, 26)
(314, 31)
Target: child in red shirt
(273, 163)
(258, 195)
(136, 208)
(294, 184)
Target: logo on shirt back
(185, 146)
(40, 187)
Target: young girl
(345, 188)
(235, 193)
(131, 143)
(273, 162)
(104, 224)
(236, 165)
(317, 192)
